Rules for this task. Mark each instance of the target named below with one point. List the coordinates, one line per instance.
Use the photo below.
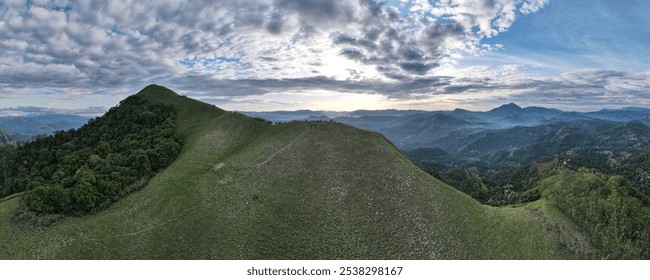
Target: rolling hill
(246, 189)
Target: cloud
(124, 44)
(533, 6)
(401, 50)
(588, 89)
(490, 86)
(473, 88)
(199, 87)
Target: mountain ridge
(421, 129)
(245, 189)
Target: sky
(83, 57)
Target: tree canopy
(78, 171)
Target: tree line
(75, 172)
(616, 223)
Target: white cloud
(490, 17)
(262, 47)
(293, 35)
(46, 18)
(14, 45)
(532, 6)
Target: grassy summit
(245, 189)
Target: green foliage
(616, 223)
(465, 181)
(612, 210)
(7, 159)
(517, 185)
(531, 195)
(512, 161)
(77, 171)
(262, 120)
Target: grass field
(244, 189)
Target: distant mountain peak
(510, 106)
(507, 108)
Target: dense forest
(617, 224)
(78, 171)
(604, 188)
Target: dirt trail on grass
(249, 172)
(281, 150)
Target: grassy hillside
(244, 189)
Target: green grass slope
(244, 189)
